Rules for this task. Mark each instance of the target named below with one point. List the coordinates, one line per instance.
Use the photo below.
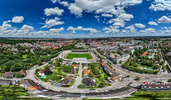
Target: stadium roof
(79, 59)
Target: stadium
(78, 56)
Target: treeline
(16, 62)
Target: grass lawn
(24, 56)
(145, 66)
(79, 55)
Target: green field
(78, 55)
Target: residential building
(5, 82)
(89, 82)
(86, 72)
(45, 71)
(8, 74)
(72, 72)
(75, 66)
(23, 72)
(66, 81)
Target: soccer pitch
(78, 55)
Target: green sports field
(78, 55)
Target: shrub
(81, 86)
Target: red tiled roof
(86, 71)
(42, 71)
(103, 64)
(144, 54)
(33, 87)
(75, 65)
(22, 71)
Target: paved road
(78, 80)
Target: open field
(78, 55)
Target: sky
(84, 18)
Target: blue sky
(84, 18)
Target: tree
(4, 67)
(162, 62)
(56, 77)
(137, 78)
(96, 71)
(169, 80)
(67, 68)
(115, 62)
(127, 76)
(120, 61)
(90, 75)
(155, 66)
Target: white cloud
(53, 22)
(101, 6)
(111, 29)
(166, 28)
(17, 19)
(79, 28)
(25, 29)
(152, 23)
(124, 31)
(54, 1)
(5, 25)
(131, 28)
(139, 25)
(66, 4)
(71, 28)
(53, 11)
(164, 19)
(75, 10)
(161, 5)
(56, 30)
(120, 24)
(107, 15)
(120, 20)
(149, 31)
(91, 30)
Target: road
(78, 79)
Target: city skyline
(84, 18)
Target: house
(51, 66)
(89, 82)
(23, 72)
(8, 74)
(72, 72)
(45, 71)
(86, 72)
(54, 61)
(75, 66)
(85, 66)
(144, 54)
(30, 85)
(66, 80)
(5, 82)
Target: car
(37, 83)
(78, 75)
